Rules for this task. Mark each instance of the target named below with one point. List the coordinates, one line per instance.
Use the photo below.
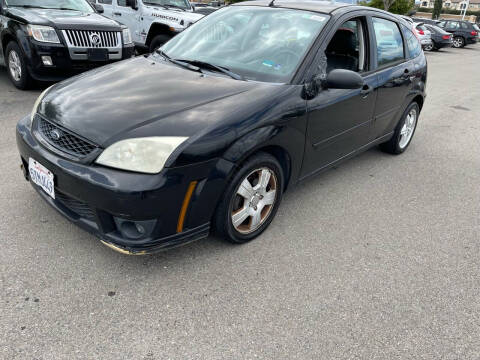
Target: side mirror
(98, 8)
(343, 79)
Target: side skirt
(354, 153)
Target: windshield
(182, 4)
(80, 5)
(258, 43)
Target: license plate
(41, 176)
(97, 54)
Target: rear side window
(464, 26)
(389, 41)
(413, 45)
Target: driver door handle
(366, 90)
(117, 13)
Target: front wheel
(17, 66)
(403, 132)
(251, 199)
(158, 41)
(458, 42)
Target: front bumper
(110, 203)
(63, 64)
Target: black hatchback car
(206, 134)
(464, 33)
(49, 40)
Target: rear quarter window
(413, 45)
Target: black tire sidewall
(23, 83)
(158, 41)
(223, 222)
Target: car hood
(141, 97)
(63, 19)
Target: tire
(429, 47)
(404, 131)
(257, 212)
(458, 42)
(158, 41)
(17, 66)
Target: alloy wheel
(254, 200)
(15, 65)
(458, 42)
(408, 128)
(429, 47)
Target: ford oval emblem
(55, 134)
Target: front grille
(76, 206)
(92, 39)
(63, 140)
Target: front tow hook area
(24, 171)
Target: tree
(437, 9)
(400, 7)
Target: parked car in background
(49, 40)
(477, 29)
(423, 35)
(203, 8)
(206, 133)
(151, 22)
(440, 38)
(463, 32)
(425, 21)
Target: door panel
(394, 84)
(128, 17)
(339, 122)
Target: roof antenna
(272, 3)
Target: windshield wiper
(29, 6)
(181, 63)
(203, 64)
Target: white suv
(151, 22)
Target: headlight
(145, 155)
(37, 104)
(127, 36)
(43, 33)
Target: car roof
(325, 7)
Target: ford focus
(206, 134)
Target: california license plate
(41, 176)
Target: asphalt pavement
(376, 259)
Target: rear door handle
(366, 90)
(117, 13)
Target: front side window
(347, 49)
(389, 41)
(413, 45)
(79, 5)
(260, 44)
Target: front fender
(285, 138)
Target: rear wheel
(251, 199)
(17, 66)
(158, 41)
(458, 42)
(403, 132)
